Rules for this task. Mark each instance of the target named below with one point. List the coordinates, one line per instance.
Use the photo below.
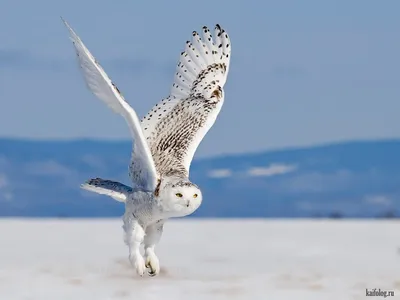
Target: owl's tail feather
(203, 65)
(114, 189)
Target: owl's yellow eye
(195, 196)
(179, 195)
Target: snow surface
(201, 259)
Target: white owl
(164, 141)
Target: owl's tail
(203, 65)
(114, 189)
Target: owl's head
(180, 198)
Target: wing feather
(175, 126)
(142, 167)
(116, 190)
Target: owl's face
(181, 198)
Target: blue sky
(302, 72)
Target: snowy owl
(164, 141)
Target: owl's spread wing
(142, 167)
(175, 126)
(114, 189)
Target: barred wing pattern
(175, 126)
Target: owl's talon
(152, 264)
(137, 262)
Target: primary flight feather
(164, 141)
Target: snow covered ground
(201, 259)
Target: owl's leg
(153, 235)
(134, 235)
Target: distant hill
(351, 179)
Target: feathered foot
(137, 262)
(153, 235)
(152, 263)
(134, 236)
